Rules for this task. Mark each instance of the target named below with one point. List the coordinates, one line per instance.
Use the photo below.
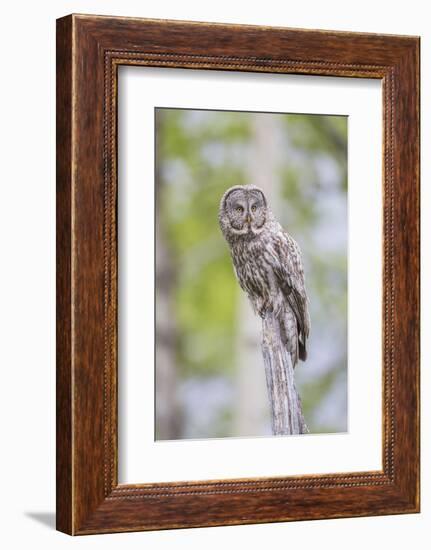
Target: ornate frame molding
(89, 498)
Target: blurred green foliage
(199, 155)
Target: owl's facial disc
(246, 211)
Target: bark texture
(284, 400)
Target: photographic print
(251, 274)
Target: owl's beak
(248, 218)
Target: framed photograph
(237, 274)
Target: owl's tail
(280, 355)
(291, 335)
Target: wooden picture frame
(89, 51)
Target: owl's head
(243, 212)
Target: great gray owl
(267, 263)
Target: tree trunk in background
(252, 411)
(284, 403)
(251, 402)
(167, 406)
(267, 155)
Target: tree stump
(284, 400)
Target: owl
(267, 263)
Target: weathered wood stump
(285, 403)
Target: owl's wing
(289, 271)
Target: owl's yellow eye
(239, 209)
(253, 208)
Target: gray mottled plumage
(267, 263)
